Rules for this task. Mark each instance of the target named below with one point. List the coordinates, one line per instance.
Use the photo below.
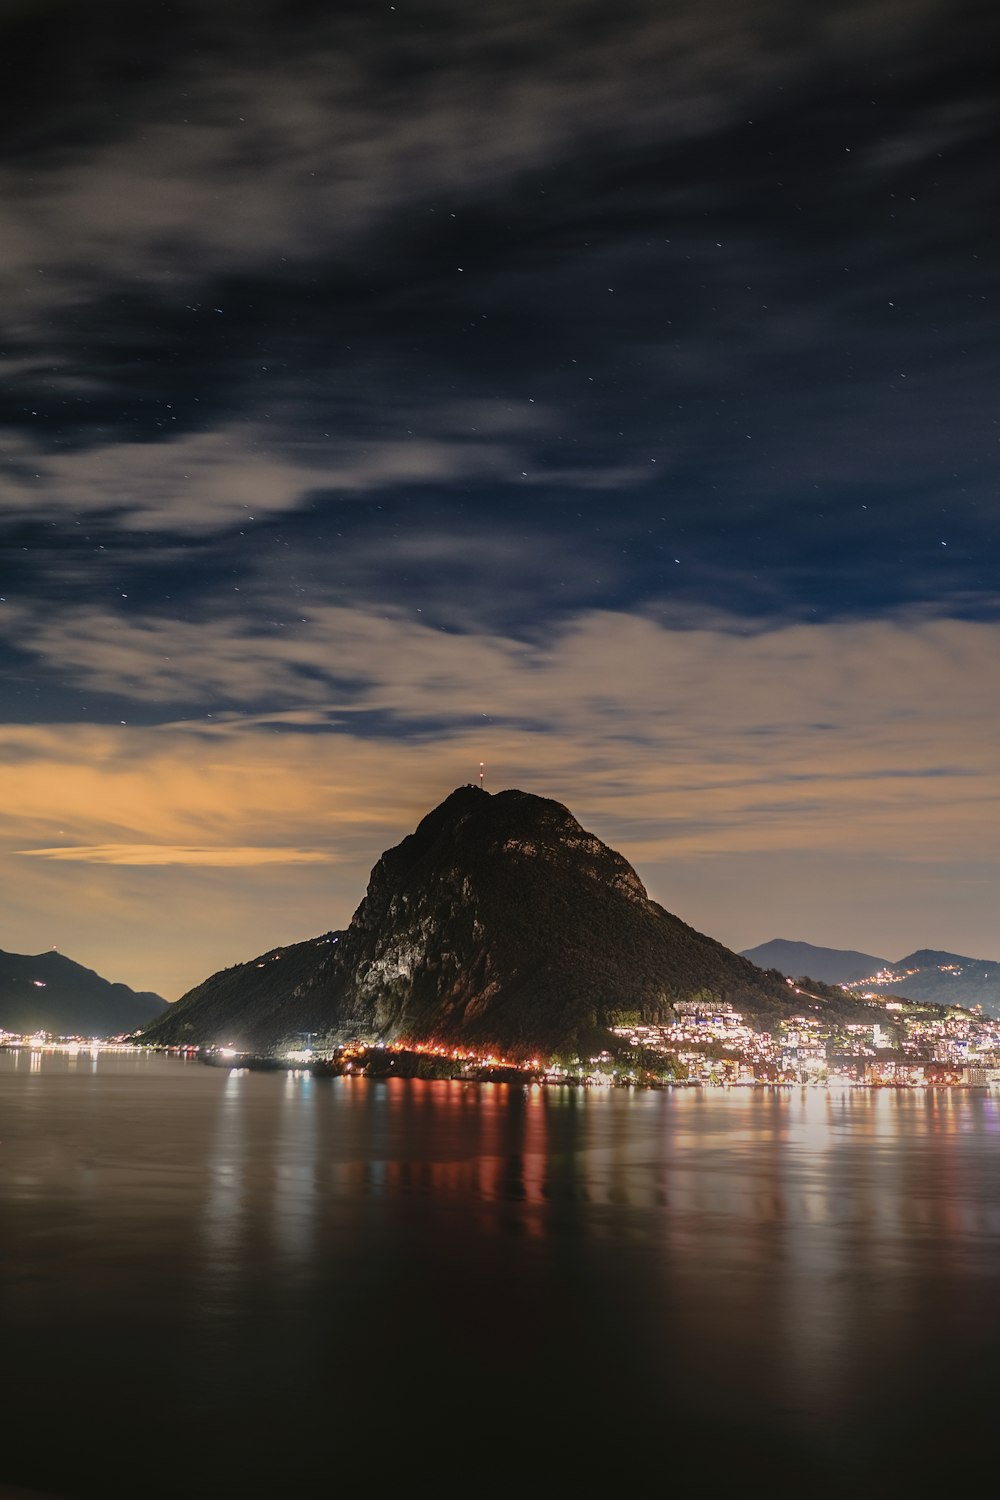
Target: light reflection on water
(791, 1269)
(225, 1200)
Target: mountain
(948, 979)
(926, 975)
(831, 965)
(48, 992)
(499, 923)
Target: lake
(232, 1283)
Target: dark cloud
(733, 268)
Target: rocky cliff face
(499, 921)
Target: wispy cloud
(790, 737)
(316, 150)
(692, 677)
(178, 854)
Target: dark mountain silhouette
(831, 965)
(926, 975)
(48, 992)
(949, 979)
(499, 923)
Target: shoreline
(381, 1063)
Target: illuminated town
(903, 1045)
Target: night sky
(607, 392)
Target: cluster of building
(46, 1041)
(902, 1045)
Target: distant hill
(948, 979)
(49, 992)
(831, 965)
(499, 923)
(928, 974)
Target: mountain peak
(935, 958)
(476, 830)
(493, 808)
(829, 965)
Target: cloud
(178, 854)
(199, 483)
(534, 257)
(315, 151)
(196, 483)
(212, 481)
(763, 736)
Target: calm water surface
(233, 1283)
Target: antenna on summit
(482, 775)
